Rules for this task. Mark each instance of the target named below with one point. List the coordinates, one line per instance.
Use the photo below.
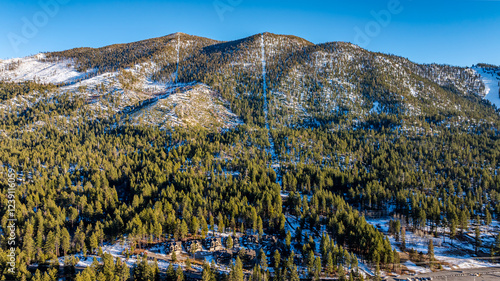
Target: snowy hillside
(192, 105)
(122, 90)
(491, 79)
(35, 68)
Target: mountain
(370, 156)
(307, 84)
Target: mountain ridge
(308, 84)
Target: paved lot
(476, 274)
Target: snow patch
(34, 68)
(491, 82)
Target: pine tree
(262, 260)
(329, 264)
(122, 270)
(69, 267)
(220, 221)
(478, 239)
(94, 243)
(194, 225)
(212, 223)
(488, 218)
(294, 275)
(29, 247)
(254, 220)
(310, 263)
(430, 252)
(65, 241)
(403, 239)
(298, 235)
(170, 273)
(174, 257)
(142, 270)
(496, 246)
(317, 268)
(260, 227)
(179, 274)
(50, 243)
(256, 274)
(378, 276)
(342, 273)
(376, 260)
(156, 271)
(397, 229)
(238, 270)
(204, 228)
(207, 272)
(277, 260)
(229, 242)
(397, 259)
(38, 276)
(453, 228)
(183, 229)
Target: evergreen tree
(277, 260)
(342, 275)
(262, 260)
(430, 252)
(317, 268)
(329, 264)
(403, 239)
(207, 274)
(238, 270)
(397, 260)
(179, 274)
(496, 246)
(229, 242)
(171, 274)
(65, 241)
(477, 239)
(174, 257)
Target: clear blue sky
(456, 32)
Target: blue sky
(456, 32)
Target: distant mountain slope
(331, 80)
(491, 78)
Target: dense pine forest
(330, 133)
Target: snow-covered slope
(128, 90)
(491, 81)
(192, 105)
(36, 68)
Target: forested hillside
(180, 137)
